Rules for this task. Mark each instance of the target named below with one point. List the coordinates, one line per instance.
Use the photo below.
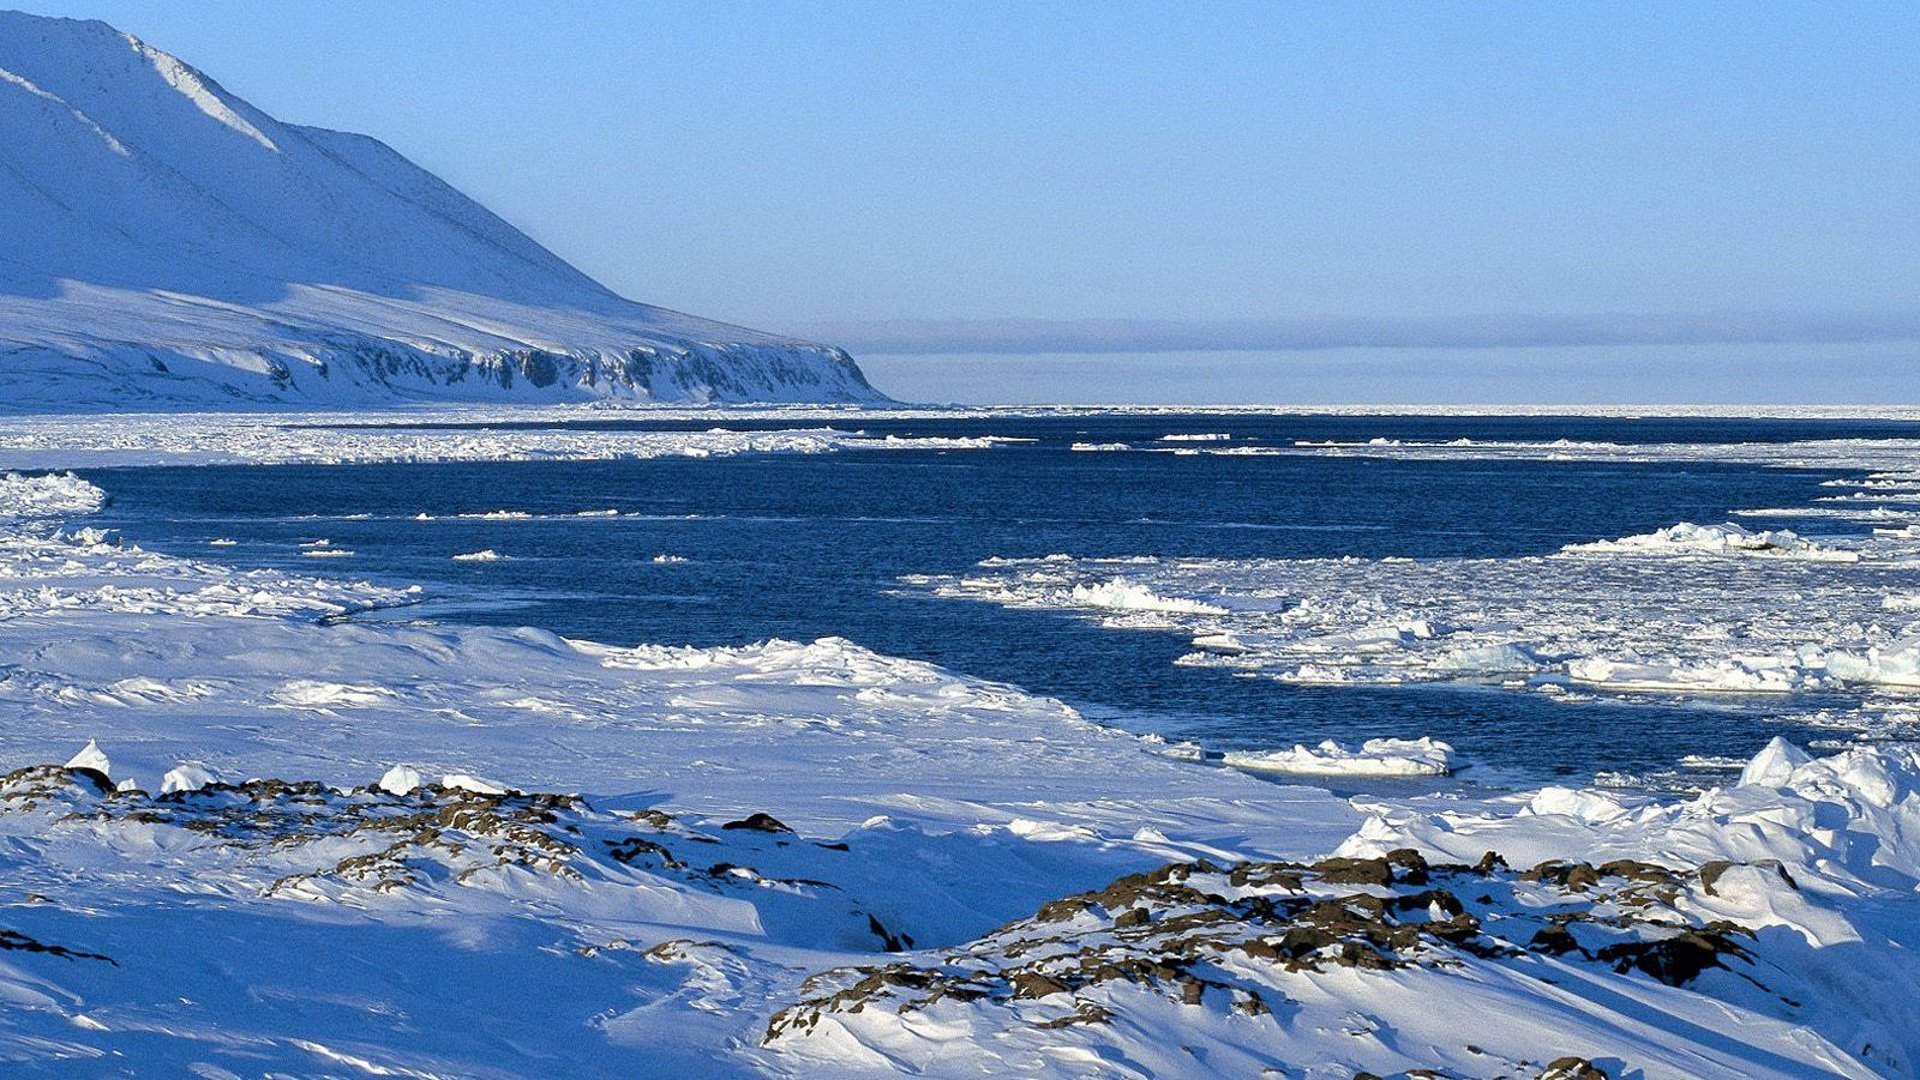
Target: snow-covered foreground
(290, 842)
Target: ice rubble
(1122, 595)
(43, 442)
(59, 495)
(1376, 757)
(1729, 610)
(1687, 538)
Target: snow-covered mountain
(165, 242)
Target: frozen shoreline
(937, 806)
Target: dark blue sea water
(806, 546)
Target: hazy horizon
(1480, 182)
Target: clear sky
(786, 164)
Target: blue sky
(799, 164)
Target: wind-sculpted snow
(170, 245)
(1258, 966)
(1845, 830)
(733, 945)
(340, 438)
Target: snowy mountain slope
(165, 241)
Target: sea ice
(1375, 757)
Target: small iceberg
(1424, 756)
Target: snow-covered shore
(811, 859)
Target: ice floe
(42, 442)
(1375, 757)
(1683, 610)
(1687, 538)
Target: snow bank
(1424, 756)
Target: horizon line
(1304, 334)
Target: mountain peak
(176, 245)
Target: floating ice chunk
(1098, 447)
(1123, 595)
(665, 560)
(1211, 436)
(1221, 644)
(1317, 675)
(1745, 676)
(465, 782)
(52, 495)
(328, 553)
(187, 776)
(91, 757)
(1773, 766)
(127, 783)
(488, 555)
(1180, 751)
(221, 541)
(1896, 666)
(1424, 756)
(399, 780)
(1487, 660)
(1687, 538)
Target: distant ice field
(1235, 579)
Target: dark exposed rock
(765, 823)
(15, 941)
(1354, 871)
(1572, 1068)
(1190, 931)
(1679, 959)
